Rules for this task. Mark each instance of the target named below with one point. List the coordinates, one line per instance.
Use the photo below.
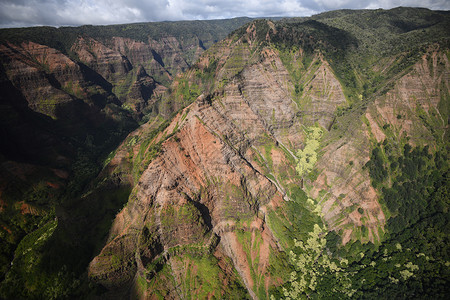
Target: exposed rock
(345, 183)
(184, 194)
(40, 72)
(144, 91)
(107, 62)
(207, 168)
(323, 94)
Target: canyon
(177, 172)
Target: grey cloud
(14, 13)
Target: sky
(22, 13)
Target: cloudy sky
(19, 13)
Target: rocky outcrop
(322, 94)
(110, 64)
(81, 89)
(172, 50)
(53, 111)
(126, 64)
(412, 107)
(40, 73)
(140, 53)
(143, 92)
(199, 186)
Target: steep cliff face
(108, 63)
(222, 179)
(87, 82)
(48, 89)
(149, 55)
(144, 92)
(112, 55)
(38, 71)
(129, 79)
(57, 118)
(190, 197)
(50, 105)
(220, 172)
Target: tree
(307, 158)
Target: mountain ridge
(364, 213)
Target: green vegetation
(251, 243)
(300, 66)
(307, 248)
(201, 278)
(419, 184)
(354, 42)
(308, 156)
(149, 148)
(29, 263)
(311, 265)
(187, 91)
(415, 251)
(411, 260)
(237, 60)
(294, 220)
